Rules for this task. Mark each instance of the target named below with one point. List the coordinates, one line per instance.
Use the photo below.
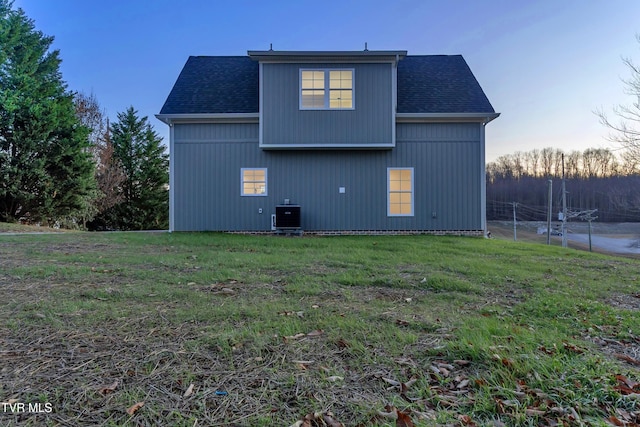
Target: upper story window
(326, 89)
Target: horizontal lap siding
(445, 158)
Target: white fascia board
(445, 117)
(209, 118)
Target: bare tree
(533, 161)
(626, 130)
(546, 161)
(572, 164)
(109, 173)
(557, 162)
(518, 164)
(91, 115)
(629, 164)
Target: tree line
(61, 162)
(594, 179)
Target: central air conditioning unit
(288, 218)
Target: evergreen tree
(46, 172)
(141, 155)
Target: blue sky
(544, 65)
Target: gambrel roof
(427, 84)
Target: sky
(545, 66)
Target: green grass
(494, 330)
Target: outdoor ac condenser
(288, 217)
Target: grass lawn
(207, 329)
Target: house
(364, 142)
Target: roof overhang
(483, 118)
(327, 56)
(209, 118)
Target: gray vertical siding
(284, 124)
(445, 158)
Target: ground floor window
(400, 191)
(253, 181)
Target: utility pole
(588, 216)
(564, 207)
(549, 212)
(514, 221)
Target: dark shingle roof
(439, 84)
(215, 84)
(229, 84)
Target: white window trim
(266, 182)
(413, 191)
(327, 90)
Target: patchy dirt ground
(94, 376)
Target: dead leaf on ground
(294, 337)
(318, 419)
(189, 391)
(628, 359)
(627, 387)
(572, 347)
(133, 409)
(108, 389)
(466, 420)
(403, 419)
(291, 313)
(315, 333)
(303, 364)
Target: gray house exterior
(368, 142)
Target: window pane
(254, 181)
(400, 192)
(405, 198)
(313, 79)
(313, 99)
(341, 79)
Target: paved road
(611, 244)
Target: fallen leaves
(318, 419)
(466, 420)
(627, 387)
(189, 391)
(627, 359)
(312, 334)
(403, 418)
(624, 418)
(134, 408)
(292, 313)
(104, 390)
(223, 289)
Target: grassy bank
(213, 329)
